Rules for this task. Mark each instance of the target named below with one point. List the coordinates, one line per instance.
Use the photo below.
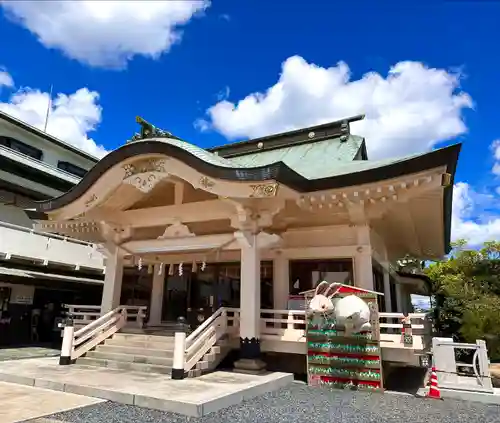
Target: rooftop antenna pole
(49, 105)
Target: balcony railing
(38, 164)
(26, 243)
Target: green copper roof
(356, 166)
(322, 159)
(312, 160)
(196, 151)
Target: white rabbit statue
(320, 303)
(350, 312)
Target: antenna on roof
(49, 105)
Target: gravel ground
(298, 403)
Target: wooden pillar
(281, 282)
(399, 299)
(112, 289)
(156, 303)
(387, 288)
(250, 353)
(363, 270)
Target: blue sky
(424, 73)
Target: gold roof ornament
(148, 131)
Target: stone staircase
(146, 353)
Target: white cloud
(410, 110)
(495, 147)
(470, 219)
(5, 79)
(71, 117)
(105, 33)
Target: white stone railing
(96, 332)
(89, 328)
(203, 339)
(473, 376)
(418, 322)
(84, 315)
(419, 328)
(277, 327)
(282, 325)
(290, 325)
(48, 248)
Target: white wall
(52, 153)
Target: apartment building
(39, 272)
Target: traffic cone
(434, 391)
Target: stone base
(213, 392)
(250, 366)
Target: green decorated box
(340, 360)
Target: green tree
(466, 291)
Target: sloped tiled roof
(311, 160)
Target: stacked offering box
(345, 361)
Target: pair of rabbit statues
(350, 312)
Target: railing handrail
(45, 234)
(96, 322)
(200, 329)
(93, 334)
(397, 315)
(271, 311)
(459, 345)
(41, 163)
(131, 307)
(96, 307)
(201, 341)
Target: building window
(228, 290)
(71, 168)
(306, 274)
(21, 147)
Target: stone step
(165, 346)
(121, 349)
(123, 365)
(148, 331)
(130, 358)
(136, 337)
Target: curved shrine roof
(336, 160)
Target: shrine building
(249, 225)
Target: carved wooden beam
(169, 215)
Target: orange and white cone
(434, 391)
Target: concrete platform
(191, 397)
(20, 403)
